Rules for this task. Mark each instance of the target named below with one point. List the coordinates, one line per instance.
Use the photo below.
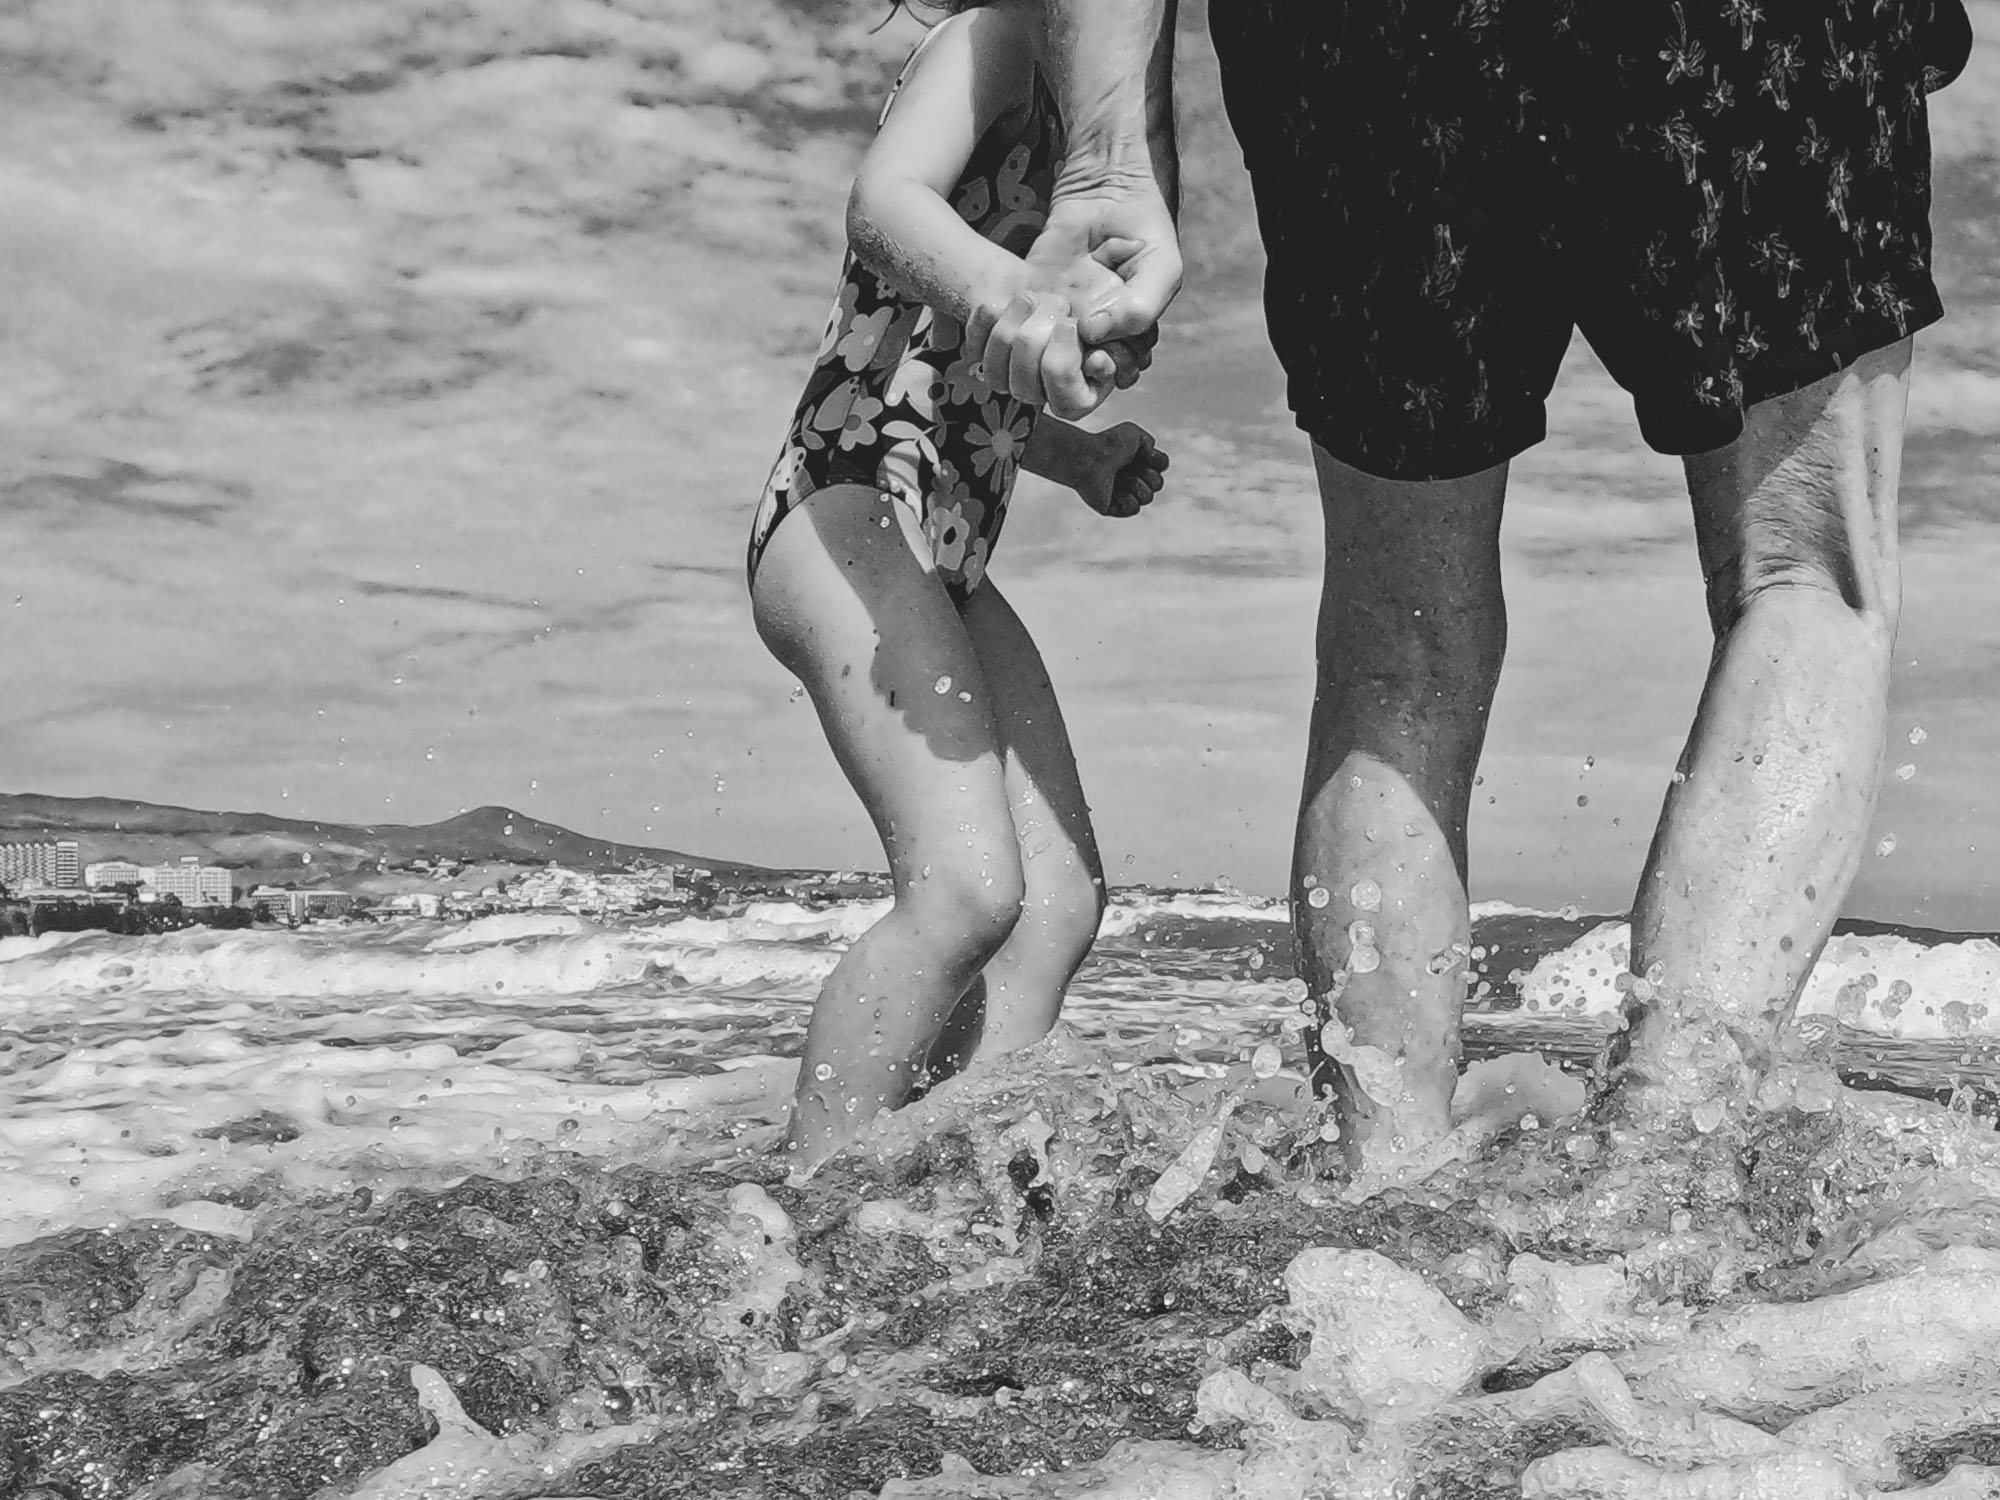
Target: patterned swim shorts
(1730, 198)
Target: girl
(891, 489)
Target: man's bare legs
(1412, 629)
(1764, 824)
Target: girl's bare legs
(844, 601)
(1015, 1001)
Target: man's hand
(1118, 471)
(1083, 320)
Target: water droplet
(1905, 771)
(1318, 897)
(823, 1072)
(1582, 801)
(1364, 960)
(941, 686)
(569, 1127)
(1266, 1060)
(1918, 735)
(1366, 895)
(1887, 846)
(430, 752)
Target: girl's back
(892, 401)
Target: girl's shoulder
(999, 43)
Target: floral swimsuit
(894, 402)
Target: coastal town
(45, 886)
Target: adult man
(1731, 199)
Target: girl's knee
(976, 904)
(1074, 910)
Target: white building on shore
(38, 861)
(299, 906)
(109, 872)
(194, 883)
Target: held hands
(1080, 317)
(1031, 347)
(1118, 471)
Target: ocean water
(495, 1209)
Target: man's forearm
(1114, 64)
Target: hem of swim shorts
(1863, 336)
(1338, 442)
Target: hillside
(305, 851)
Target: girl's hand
(1119, 470)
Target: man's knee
(1806, 498)
(1445, 670)
(1811, 526)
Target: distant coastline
(487, 859)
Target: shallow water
(494, 1210)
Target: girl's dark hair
(938, 8)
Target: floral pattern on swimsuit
(893, 401)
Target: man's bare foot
(1677, 1065)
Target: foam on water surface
(495, 1210)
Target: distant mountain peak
(107, 826)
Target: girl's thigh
(1044, 789)
(846, 599)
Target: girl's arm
(900, 221)
(1057, 450)
(1117, 472)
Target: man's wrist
(1114, 68)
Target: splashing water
(496, 1210)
